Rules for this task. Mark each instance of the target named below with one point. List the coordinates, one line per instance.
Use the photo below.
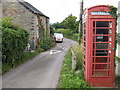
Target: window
(99, 73)
(102, 23)
(101, 52)
(101, 59)
(101, 45)
(102, 31)
(102, 39)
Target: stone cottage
(28, 17)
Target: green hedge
(14, 41)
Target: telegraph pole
(80, 21)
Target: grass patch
(68, 33)
(77, 49)
(69, 78)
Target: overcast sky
(58, 10)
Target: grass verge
(77, 49)
(27, 55)
(69, 78)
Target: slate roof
(31, 8)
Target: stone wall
(22, 17)
(25, 18)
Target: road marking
(66, 49)
(54, 51)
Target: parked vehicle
(58, 37)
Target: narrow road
(40, 72)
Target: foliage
(68, 34)
(46, 43)
(58, 25)
(14, 42)
(77, 50)
(113, 13)
(51, 30)
(117, 58)
(70, 23)
(117, 81)
(69, 78)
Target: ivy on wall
(113, 13)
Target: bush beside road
(14, 43)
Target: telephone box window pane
(101, 60)
(101, 66)
(102, 23)
(101, 45)
(102, 39)
(110, 24)
(84, 31)
(101, 31)
(94, 39)
(94, 24)
(93, 66)
(110, 32)
(100, 73)
(110, 45)
(84, 38)
(84, 56)
(101, 52)
(84, 44)
(110, 38)
(93, 52)
(93, 31)
(93, 45)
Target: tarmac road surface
(40, 72)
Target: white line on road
(54, 51)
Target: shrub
(71, 80)
(14, 41)
(46, 43)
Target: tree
(57, 25)
(70, 22)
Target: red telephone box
(98, 46)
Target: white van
(58, 37)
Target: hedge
(14, 41)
